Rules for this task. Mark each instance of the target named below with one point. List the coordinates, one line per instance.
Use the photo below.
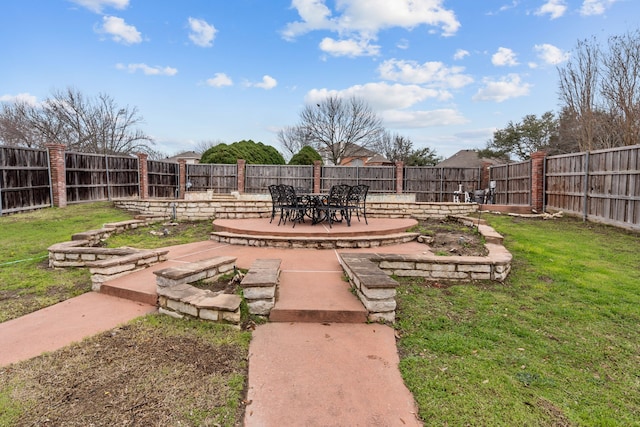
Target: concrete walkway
(301, 372)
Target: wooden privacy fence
(437, 185)
(601, 185)
(259, 177)
(94, 177)
(513, 183)
(218, 178)
(163, 178)
(380, 179)
(25, 182)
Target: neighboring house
(191, 157)
(470, 159)
(359, 156)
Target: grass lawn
(557, 344)
(155, 370)
(26, 282)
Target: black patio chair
(334, 208)
(357, 201)
(292, 208)
(277, 200)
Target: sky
(445, 74)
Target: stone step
(318, 297)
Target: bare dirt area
(448, 237)
(153, 371)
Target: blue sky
(445, 74)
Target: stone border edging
(313, 242)
(105, 263)
(369, 274)
(259, 285)
(177, 298)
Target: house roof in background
(184, 155)
(469, 159)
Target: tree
(90, 125)
(400, 148)
(522, 139)
(578, 85)
(293, 139)
(393, 147)
(255, 153)
(600, 89)
(203, 146)
(338, 126)
(620, 86)
(423, 157)
(306, 156)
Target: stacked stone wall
(229, 207)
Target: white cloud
(504, 56)
(98, 5)
(403, 44)
(350, 47)
(367, 17)
(21, 97)
(431, 73)
(120, 31)
(460, 54)
(595, 7)
(220, 80)
(380, 96)
(267, 83)
(507, 87)
(421, 119)
(202, 33)
(553, 8)
(148, 70)
(551, 54)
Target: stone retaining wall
(259, 206)
(104, 263)
(293, 242)
(259, 285)
(177, 297)
(369, 274)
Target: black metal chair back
(276, 200)
(357, 201)
(293, 210)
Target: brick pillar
(143, 175)
(58, 175)
(317, 169)
(182, 189)
(399, 176)
(485, 175)
(241, 172)
(537, 180)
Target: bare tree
(293, 139)
(620, 85)
(19, 125)
(203, 146)
(578, 87)
(93, 125)
(393, 147)
(338, 126)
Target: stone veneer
(177, 297)
(104, 263)
(239, 206)
(259, 286)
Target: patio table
(311, 202)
